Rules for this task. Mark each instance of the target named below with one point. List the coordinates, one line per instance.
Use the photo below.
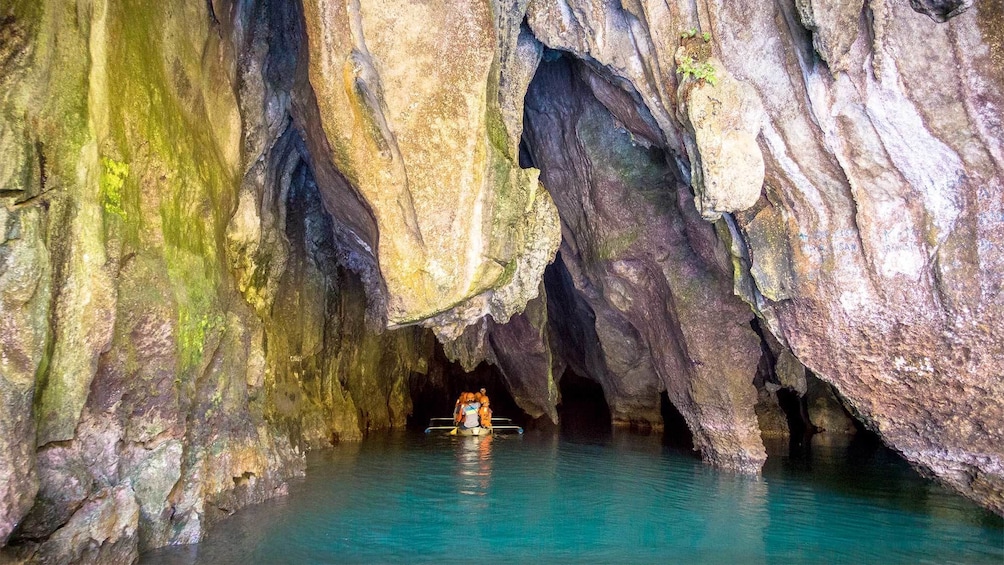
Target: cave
(433, 394)
(583, 412)
(622, 292)
(293, 238)
(675, 432)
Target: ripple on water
(418, 499)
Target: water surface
(624, 499)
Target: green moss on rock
(113, 178)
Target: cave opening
(583, 413)
(607, 292)
(800, 429)
(433, 394)
(322, 311)
(676, 433)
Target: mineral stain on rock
(233, 232)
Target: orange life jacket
(485, 415)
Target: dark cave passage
(583, 412)
(796, 414)
(676, 433)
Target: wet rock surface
(149, 260)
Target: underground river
(599, 498)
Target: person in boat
(458, 408)
(469, 414)
(485, 413)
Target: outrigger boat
(504, 425)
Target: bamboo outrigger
(455, 430)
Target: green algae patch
(611, 247)
(193, 330)
(174, 132)
(200, 320)
(618, 159)
(113, 179)
(497, 133)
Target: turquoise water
(411, 498)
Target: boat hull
(447, 425)
(479, 431)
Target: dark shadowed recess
(676, 433)
(795, 405)
(941, 10)
(583, 412)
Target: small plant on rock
(701, 72)
(706, 36)
(692, 32)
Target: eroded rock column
(661, 314)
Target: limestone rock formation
(882, 182)
(103, 530)
(651, 282)
(834, 27)
(231, 232)
(727, 168)
(24, 283)
(135, 311)
(424, 140)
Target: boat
(502, 425)
(478, 431)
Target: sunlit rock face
(140, 361)
(177, 323)
(411, 108)
(727, 168)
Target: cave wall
(869, 253)
(179, 320)
(125, 154)
(656, 281)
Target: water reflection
(474, 464)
